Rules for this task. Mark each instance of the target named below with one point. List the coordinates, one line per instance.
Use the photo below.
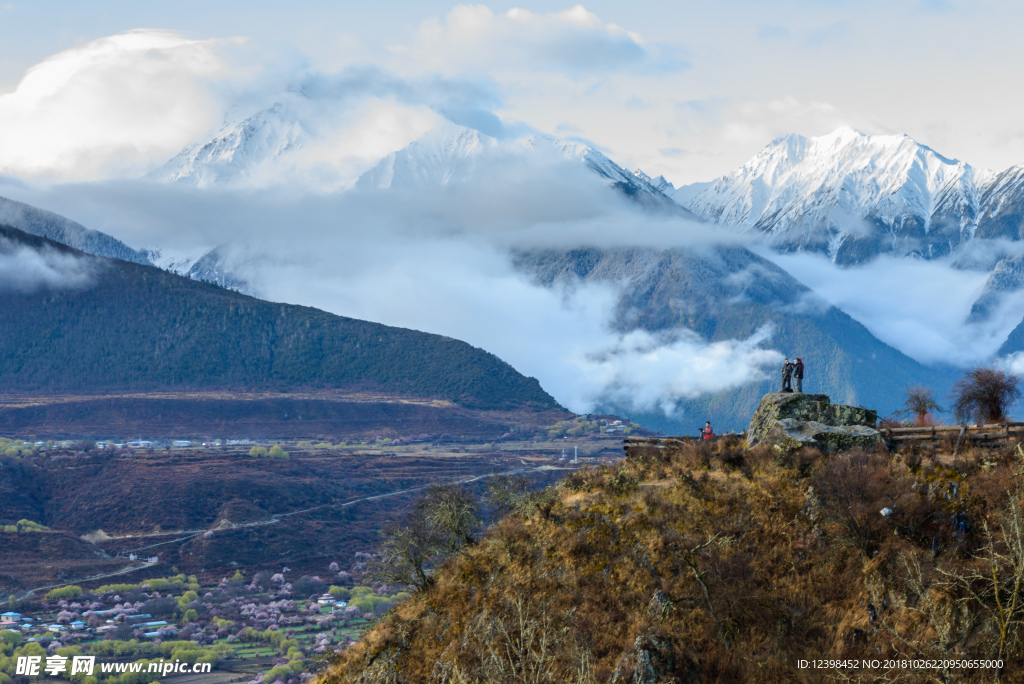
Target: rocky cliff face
(790, 421)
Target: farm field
(209, 511)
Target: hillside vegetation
(710, 563)
(134, 327)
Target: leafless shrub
(920, 402)
(523, 638)
(913, 604)
(405, 554)
(854, 487)
(985, 394)
(996, 583)
(508, 494)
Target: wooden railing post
(963, 429)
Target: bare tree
(408, 547)
(453, 512)
(920, 401)
(440, 524)
(985, 394)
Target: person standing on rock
(787, 374)
(798, 374)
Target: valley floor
(211, 414)
(209, 511)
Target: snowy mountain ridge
(851, 196)
(299, 138)
(60, 229)
(847, 195)
(450, 153)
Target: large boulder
(790, 420)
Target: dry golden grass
(708, 563)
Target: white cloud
(112, 106)
(641, 371)
(474, 39)
(1014, 363)
(758, 122)
(467, 289)
(24, 269)
(919, 307)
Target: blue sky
(687, 89)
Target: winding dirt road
(275, 518)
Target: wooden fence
(656, 442)
(961, 435)
(989, 435)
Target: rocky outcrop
(649, 661)
(789, 421)
(789, 435)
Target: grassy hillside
(134, 327)
(713, 564)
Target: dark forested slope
(122, 326)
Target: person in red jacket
(706, 432)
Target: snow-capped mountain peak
(848, 194)
(320, 141)
(237, 151)
(445, 154)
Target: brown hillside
(712, 564)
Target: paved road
(122, 571)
